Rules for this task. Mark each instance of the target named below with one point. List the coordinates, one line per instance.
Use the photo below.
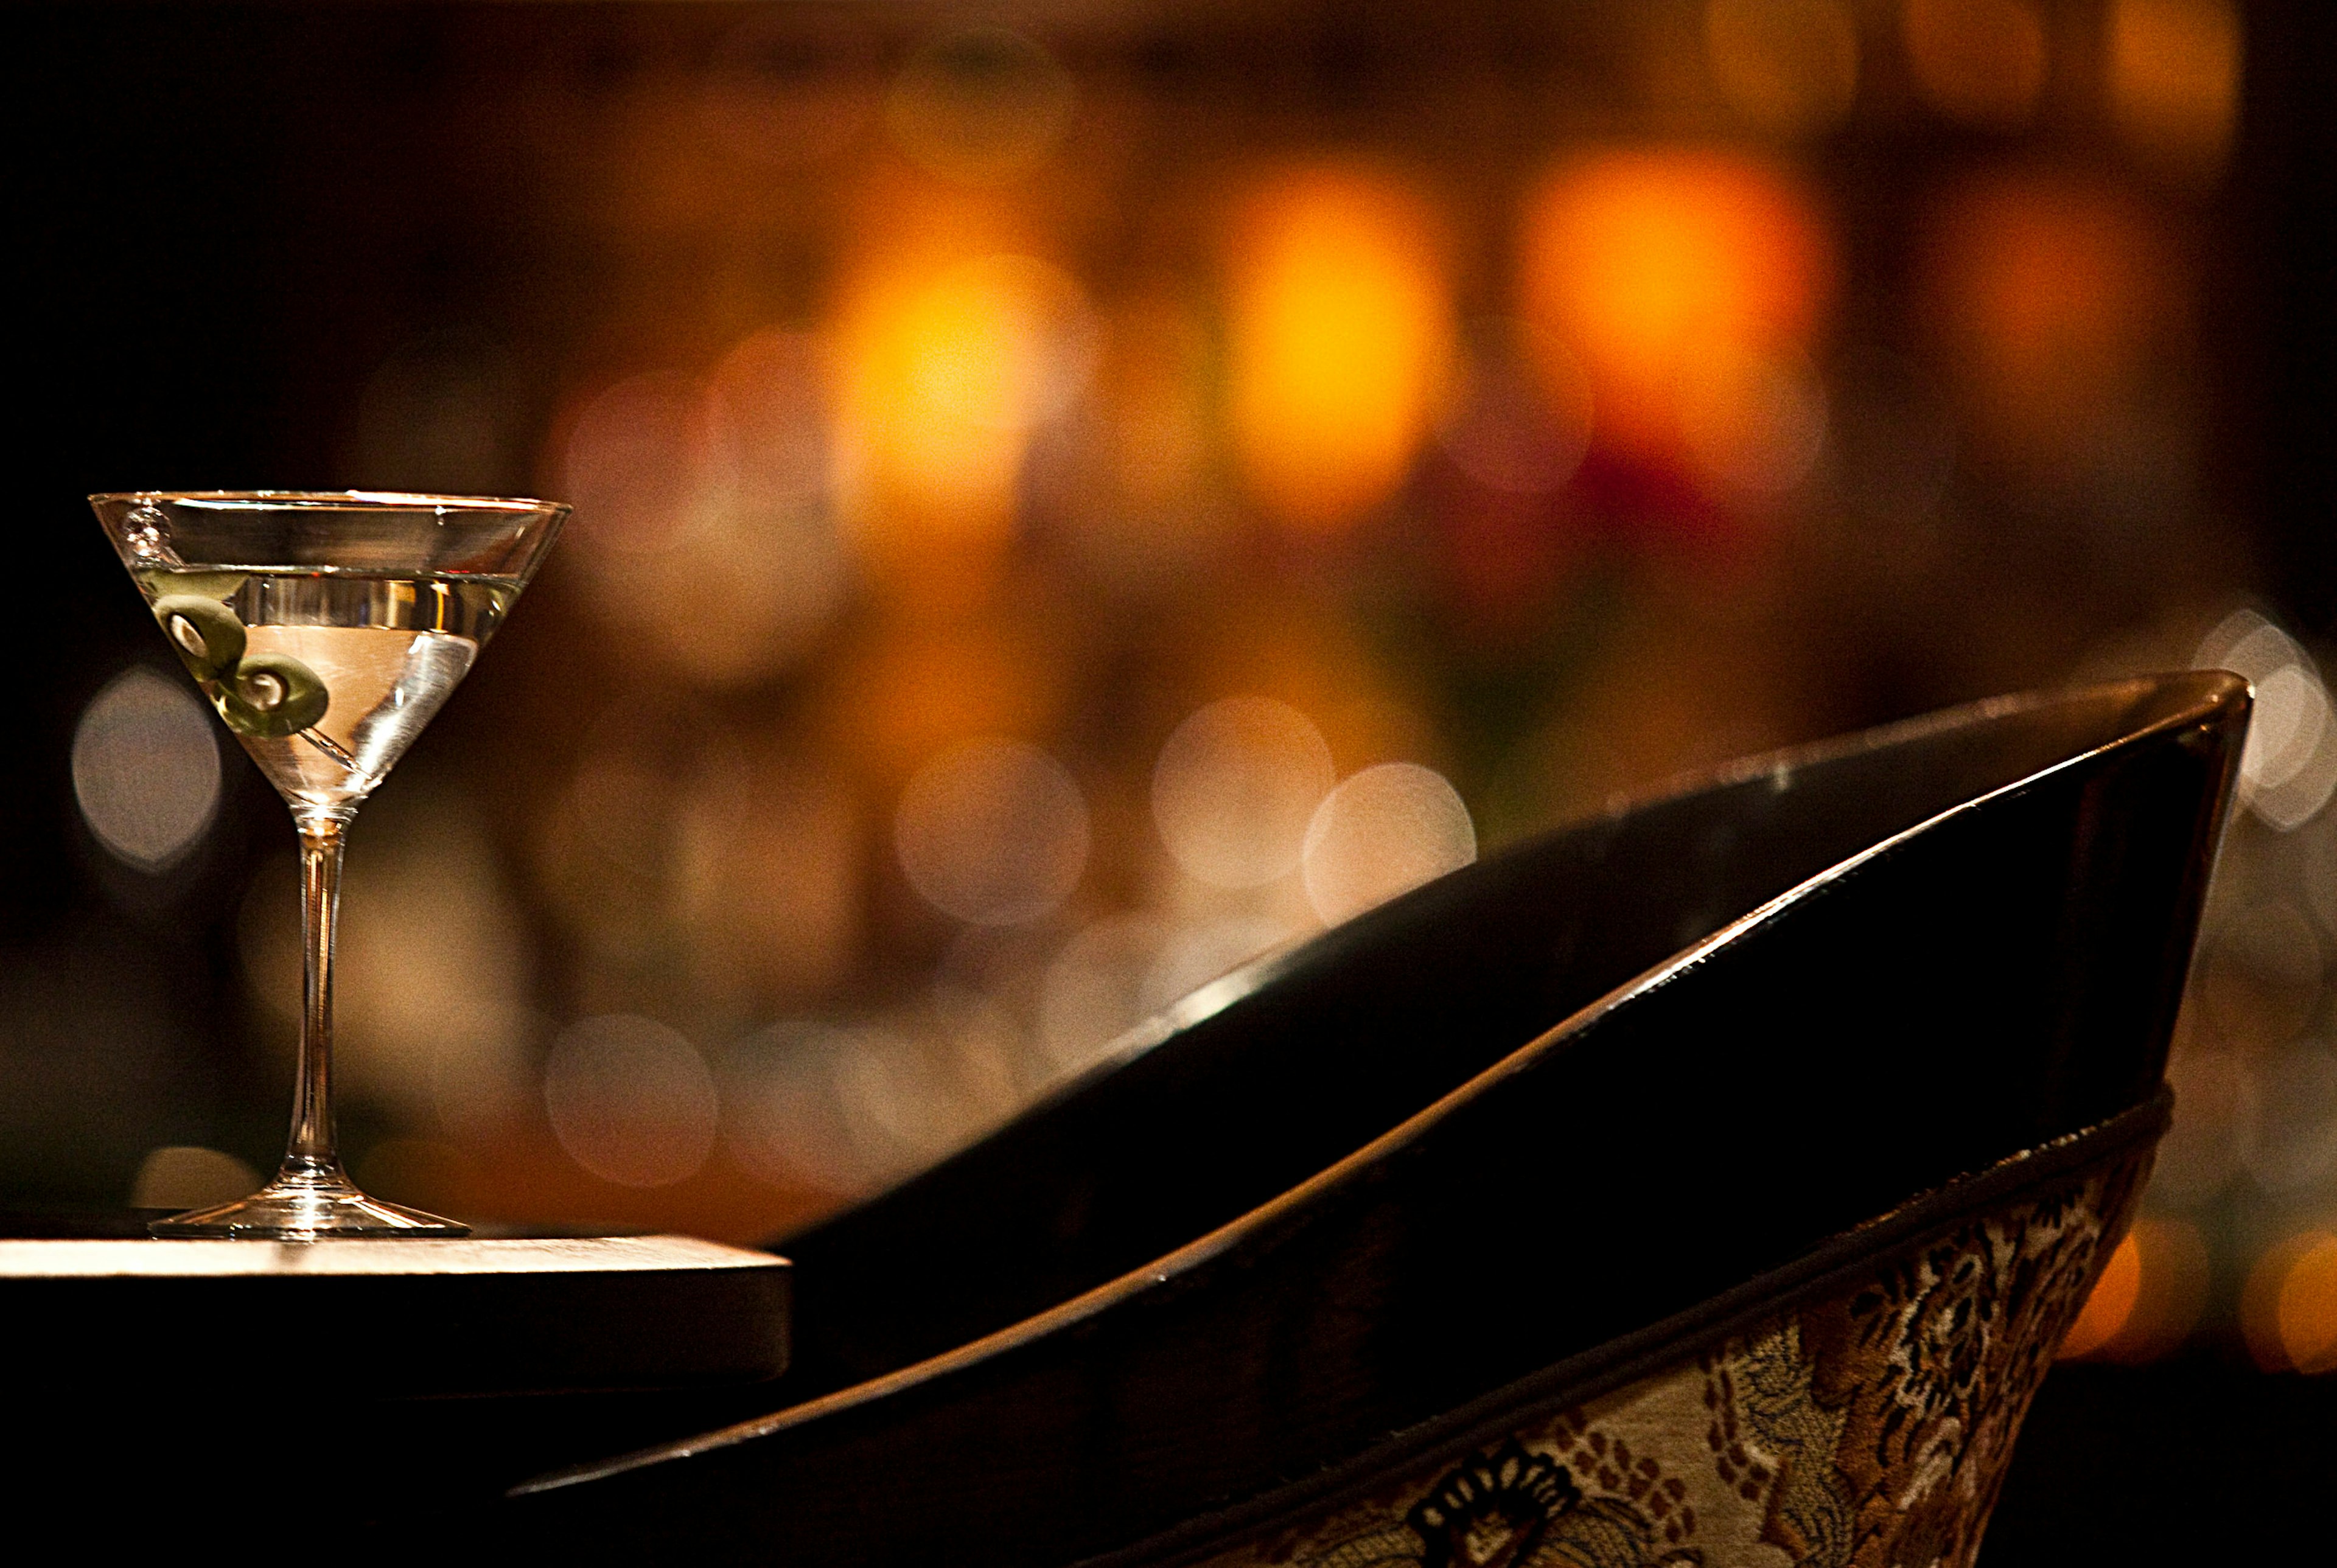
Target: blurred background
(1070, 496)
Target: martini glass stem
(310, 1154)
(311, 1196)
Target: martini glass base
(306, 1208)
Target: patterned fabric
(1867, 1430)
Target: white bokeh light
(714, 539)
(2289, 1102)
(2289, 767)
(1756, 421)
(851, 1109)
(1522, 423)
(1194, 955)
(906, 1099)
(993, 832)
(1094, 990)
(636, 462)
(631, 1100)
(1383, 832)
(189, 1177)
(783, 1119)
(1117, 972)
(146, 769)
(1235, 787)
(2200, 1153)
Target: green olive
(204, 631)
(219, 585)
(270, 696)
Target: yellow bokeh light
(1789, 66)
(1978, 61)
(1646, 261)
(1341, 341)
(947, 362)
(2175, 82)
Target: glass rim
(328, 499)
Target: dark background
(226, 220)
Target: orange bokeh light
(1789, 66)
(1273, 645)
(1647, 260)
(2110, 1304)
(2149, 1297)
(2175, 82)
(2052, 296)
(915, 685)
(1340, 338)
(1981, 61)
(2291, 1313)
(952, 344)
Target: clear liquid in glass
(387, 651)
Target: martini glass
(326, 629)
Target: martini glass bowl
(326, 629)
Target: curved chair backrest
(1283, 1068)
(1539, 1104)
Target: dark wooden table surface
(481, 1315)
(375, 1377)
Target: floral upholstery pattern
(1869, 1428)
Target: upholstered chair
(1709, 1183)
